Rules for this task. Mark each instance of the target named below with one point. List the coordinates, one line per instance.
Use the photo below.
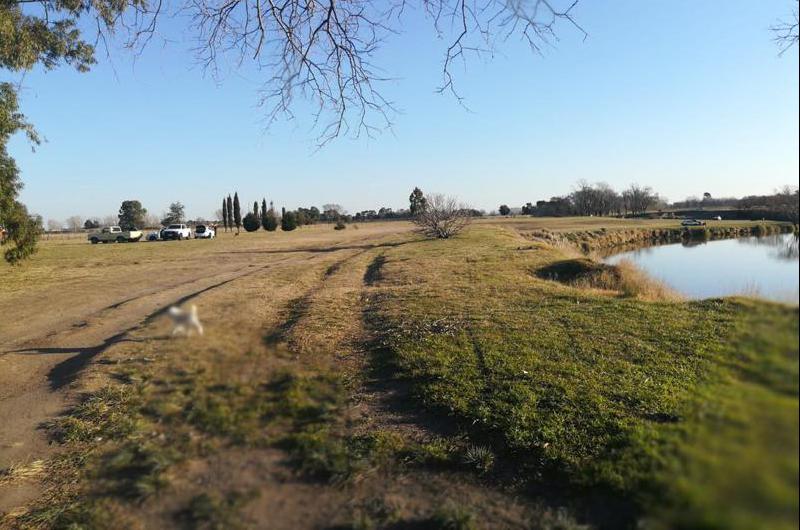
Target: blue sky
(683, 96)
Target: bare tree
(443, 217)
(637, 199)
(110, 220)
(332, 207)
(54, 226)
(75, 223)
(786, 32)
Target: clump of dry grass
(625, 278)
(635, 283)
(22, 471)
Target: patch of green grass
(439, 452)
(667, 405)
(136, 469)
(110, 413)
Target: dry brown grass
(21, 471)
(626, 278)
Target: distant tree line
(597, 199)
(436, 216)
(600, 199)
(131, 216)
(781, 205)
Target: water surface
(767, 267)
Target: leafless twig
(786, 33)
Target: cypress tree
(255, 209)
(230, 213)
(264, 213)
(225, 213)
(271, 221)
(237, 212)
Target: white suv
(176, 231)
(204, 232)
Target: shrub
(339, 225)
(443, 217)
(288, 222)
(251, 222)
(270, 221)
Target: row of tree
(601, 199)
(436, 216)
(783, 204)
(263, 216)
(595, 199)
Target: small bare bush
(443, 217)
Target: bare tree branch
(323, 50)
(786, 33)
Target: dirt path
(63, 328)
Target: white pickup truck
(111, 234)
(176, 231)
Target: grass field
(368, 379)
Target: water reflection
(646, 245)
(755, 266)
(782, 246)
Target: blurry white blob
(185, 322)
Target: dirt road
(76, 300)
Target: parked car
(154, 236)
(111, 234)
(204, 232)
(176, 231)
(692, 222)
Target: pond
(765, 267)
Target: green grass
(688, 410)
